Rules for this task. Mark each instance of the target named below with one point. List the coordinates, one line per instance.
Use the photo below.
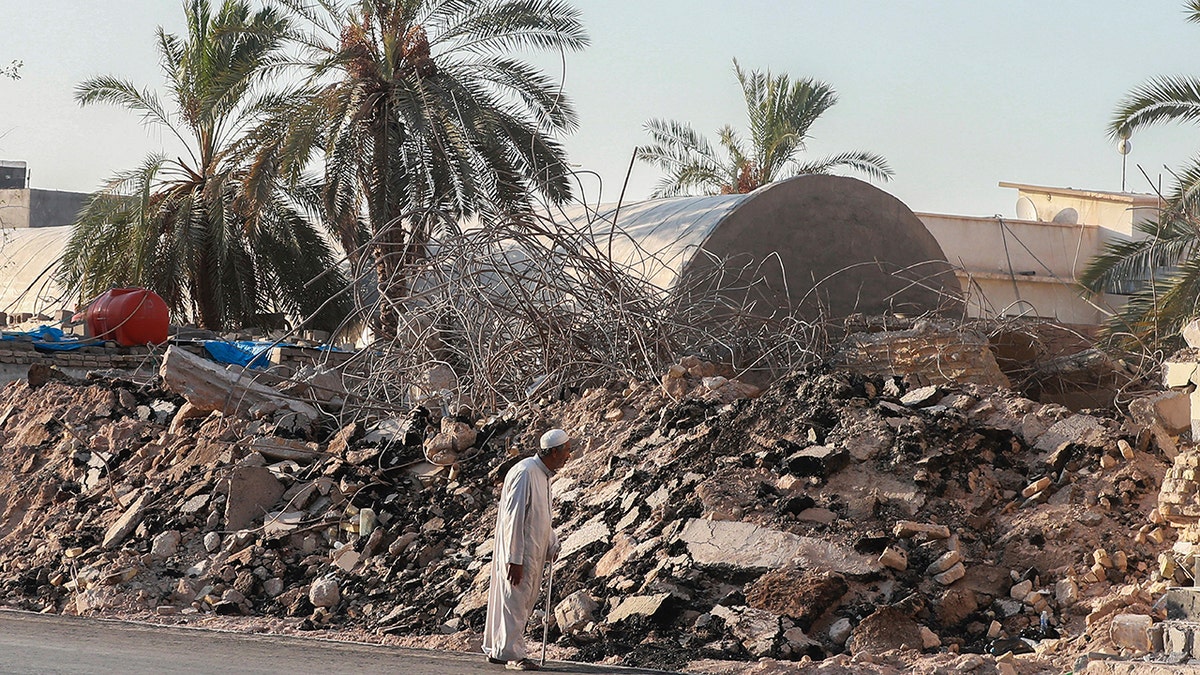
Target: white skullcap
(554, 438)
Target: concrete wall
(40, 208)
(1116, 212)
(54, 208)
(14, 208)
(1021, 268)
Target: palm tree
(781, 112)
(217, 248)
(421, 116)
(1161, 266)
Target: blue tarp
(49, 338)
(249, 353)
(245, 353)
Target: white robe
(524, 536)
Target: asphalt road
(35, 643)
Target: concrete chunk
(1131, 631)
(951, 575)
(575, 611)
(253, 490)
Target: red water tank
(129, 317)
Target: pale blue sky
(957, 94)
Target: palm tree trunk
(204, 290)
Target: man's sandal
(523, 664)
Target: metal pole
(546, 614)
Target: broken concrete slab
(1079, 429)
(207, 386)
(593, 531)
(638, 605)
(921, 396)
(1172, 410)
(748, 546)
(622, 550)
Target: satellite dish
(1026, 209)
(1124, 133)
(1124, 146)
(1067, 216)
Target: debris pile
(836, 519)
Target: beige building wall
(14, 208)
(1030, 267)
(1115, 212)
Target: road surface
(36, 643)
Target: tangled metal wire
(531, 308)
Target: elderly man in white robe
(525, 541)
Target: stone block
(895, 558)
(324, 593)
(951, 575)
(1191, 333)
(1020, 590)
(944, 562)
(1131, 631)
(1066, 592)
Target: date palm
(190, 228)
(780, 113)
(421, 115)
(1160, 268)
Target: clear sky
(958, 95)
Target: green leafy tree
(1160, 268)
(421, 115)
(780, 113)
(217, 247)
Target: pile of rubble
(840, 520)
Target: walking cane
(546, 617)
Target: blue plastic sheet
(245, 353)
(50, 339)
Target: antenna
(1123, 147)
